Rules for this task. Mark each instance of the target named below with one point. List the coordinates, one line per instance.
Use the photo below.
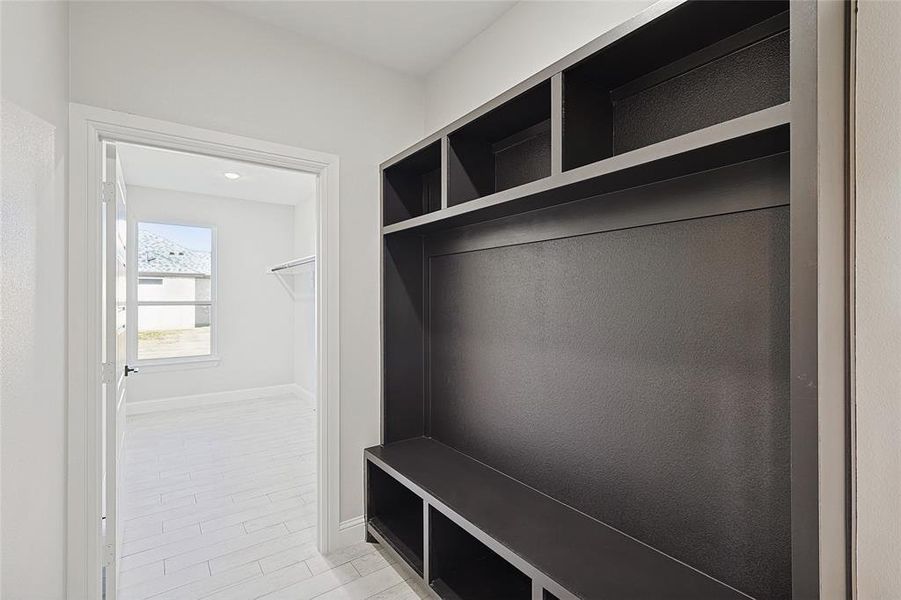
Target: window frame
(172, 363)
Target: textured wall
(638, 375)
(32, 299)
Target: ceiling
(200, 174)
(412, 37)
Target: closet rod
(292, 263)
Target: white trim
(159, 365)
(199, 400)
(305, 394)
(87, 126)
(351, 531)
(171, 302)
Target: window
(175, 296)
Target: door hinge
(108, 192)
(109, 555)
(108, 551)
(107, 372)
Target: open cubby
(412, 186)
(508, 146)
(396, 514)
(624, 97)
(549, 596)
(464, 568)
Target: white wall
(254, 319)
(305, 299)
(204, 66)
(527, 38)
(32, 299)
(878, 300)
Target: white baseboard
(305, 395)
(197, 400)
(351, 531)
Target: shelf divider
(445, 149)
(557, 124)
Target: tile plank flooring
(219, 503)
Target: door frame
(89, 125)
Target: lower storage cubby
(581, 555)
(461, 567)
(396, 514)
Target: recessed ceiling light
(231, 175)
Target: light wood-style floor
(220, 503)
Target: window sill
(176, 364)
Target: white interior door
(115, 369)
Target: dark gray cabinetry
(592, 324)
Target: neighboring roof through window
(157, 254)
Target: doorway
(185, 427)
(217, 471)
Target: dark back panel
(412, 187)
(638, 375)
(523, 157)
(404, 365)
(398, 510)
(680, 32)
(467, 568)
(482, 154)
(751, 79)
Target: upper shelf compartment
(745, 138)
(506, 147)
(692, 86)
(412, 186)
(698, 65)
